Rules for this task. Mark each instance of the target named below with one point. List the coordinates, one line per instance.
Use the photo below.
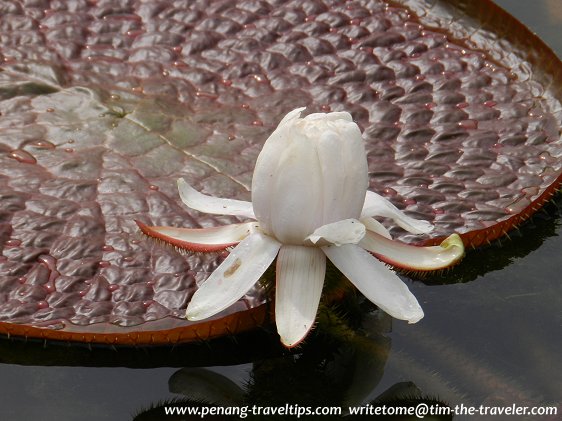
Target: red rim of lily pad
(428, 141)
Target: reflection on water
(339, 366)
(491, 336)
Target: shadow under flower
(338, 369)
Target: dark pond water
(491, 335)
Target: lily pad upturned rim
(546, 64)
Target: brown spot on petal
(233, 268)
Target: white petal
(299, 280)
(234, 277)
(287, 194)
(376, 205)
(396, 253)
(214, 205)
(343, 162)
(375, 226)
(292, 116)
(378, 283)
(201, 239)
(348, 231)
(333, 116)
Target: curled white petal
(375, 281)
(375, 226)
(343, 163)
(348, 231)
(299, 280)
(406, 256)
(201, 239)
(234, 277)
(213, 205)
(376, 205)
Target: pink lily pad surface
(104, 104)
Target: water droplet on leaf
(23, 156)
(13, 243)
(42, 304)
(43, 144)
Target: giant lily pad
(105, 104)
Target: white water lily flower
(310, 200)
